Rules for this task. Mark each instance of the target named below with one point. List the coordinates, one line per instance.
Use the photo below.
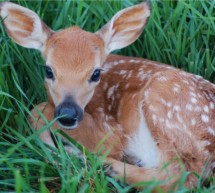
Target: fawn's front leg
(38, 122)
(88, 133)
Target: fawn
(154, 113)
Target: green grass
(180, 33)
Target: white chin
(68, 127)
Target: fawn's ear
(24, 26)
(125, 27)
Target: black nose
(69, 114)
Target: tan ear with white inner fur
(125, 27)
(24, 26)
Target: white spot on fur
(199, 96)
(169, 114)
(168, 124)
(207, 143)
(124, 76)
(143, 78)
(186, 82)
(177, 85)
(205, 118)
(140, 69)
(135, 61)
(162, 78)
(129, 74)
(153, 108)
(193, 100)
(154, 118)
(133, 96)
(175, 89)
(163, 102)
(193, 121)
(115, 63)
(110, 91)
(122, 72)
(106, 118)
(127, 86)
(189, 107)
(131, 60)
(121, 61)
(100, 110)
(183, 73)
(142, 145)
(192, 94)
(206, 109)
(176, 108)
(146, 94)
(168, 104)
(211, 131)
(211, 105)
(140, 74)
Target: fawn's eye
(96, 75)
(48, 72)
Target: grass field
(180, 33)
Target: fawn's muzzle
(69, 114)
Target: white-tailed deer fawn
(155, 114)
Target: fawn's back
(178, 107)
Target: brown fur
(176, 145)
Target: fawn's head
(74, 57)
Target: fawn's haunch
(155, 114)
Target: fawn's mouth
(68, 126)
